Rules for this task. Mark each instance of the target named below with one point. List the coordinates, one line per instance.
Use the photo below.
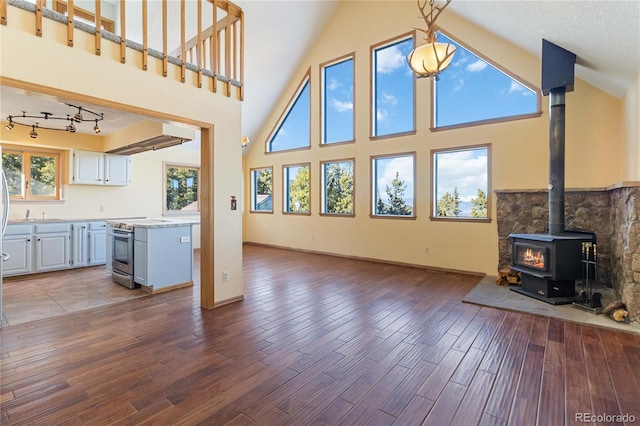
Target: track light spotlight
(10, 125)
(33, 132)
(78, 117)
(96, 128)
(71, 128)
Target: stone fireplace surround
(613, 214)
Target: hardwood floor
(317, 340)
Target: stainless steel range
(122, 271)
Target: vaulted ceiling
(605, 36)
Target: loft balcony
(204, 37)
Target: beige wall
(631, 129)
(104, 80)
(519, 150)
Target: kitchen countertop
(35, 221)
(155, 223)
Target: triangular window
(473, 90)
(293, 128)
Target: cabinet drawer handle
(28, 240)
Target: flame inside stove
(533, 258)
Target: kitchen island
(162, 257)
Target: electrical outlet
(101, 209)
(225, 276)
(426, 250)
(313, 238)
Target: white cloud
(340, 106)
(516, 87)
(388, 98)
(390, 59)
(459, 85)
(465, 170)
(477, 66)
(333, 84)
(382, 115)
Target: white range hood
(149, 136)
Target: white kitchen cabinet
(53, 246)
(140, 262)
(97, 243)
(20, 250)
(79, 249)
(109, 249)
(88, 167)
(52, 251)
(98, 168)
(117, 169)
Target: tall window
(338, 187)
(473, 90)
(32, 175)
(337, 100)
(393, 109)
(262, 190)
(293, 129)
(181, 189)
(296, 188)
(393, 189)
(461, 183)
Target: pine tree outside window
(296, 188)
(393, 188)
(338, 194)
(461, 183)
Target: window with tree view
(393, 185)
(296, 188)
(461, 183)
(181, 189)
(32, 175)
(338, 187)
(262, 190)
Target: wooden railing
(216, 52)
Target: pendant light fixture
(430, 59)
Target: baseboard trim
(369, 259)
(228, 301)
(152, 290)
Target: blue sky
(470, 89)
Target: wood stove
(549, 264)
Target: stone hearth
(613, 214)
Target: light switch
(184, 239)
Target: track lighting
(30, 121)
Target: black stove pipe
(556, 160)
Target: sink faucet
(26, 216)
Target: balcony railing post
(145, 36)
(199, 52)
(70, 26)
(39, 18)
(215, 48)
(182, 42)
(164, 38)
(98, 27)
(123, 32)
(3, 12)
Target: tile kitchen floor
(32, 297)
